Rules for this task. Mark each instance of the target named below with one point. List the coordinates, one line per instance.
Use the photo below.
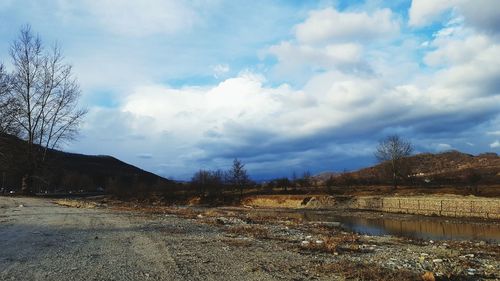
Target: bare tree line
(38, 100)
(209, 183)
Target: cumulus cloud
(241, 117)
(453, 50)
(329, 25)
(353, 93)
(424, 12)
(468, 65)
(481, 14)
(332, 40)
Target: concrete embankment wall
(448, 207)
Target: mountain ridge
(449, 166)
(69, 170)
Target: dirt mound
(291, 201)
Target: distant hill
(69, 171)
(447, 167)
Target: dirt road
(40, 240)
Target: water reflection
(422, 228)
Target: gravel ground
(40, 240)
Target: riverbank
(329, 251)
(429, 205)
(446, 206)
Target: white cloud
(481, 14)
(332, 102)
(468, 64)
(220, 70)
(294, 57)
(330, 25)
(329, 40)
(424, 12)
(350, 88)
(244, 115)
(194, 111)
(495, 144)
(453, 50)
(443, 147)
(136, 18)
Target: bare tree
(237, 176)
(45, 96)
(392, 150)
(6, 104)
(208, 182)
(473, 177)
(200, 181)
(305, 180)
(283, 183)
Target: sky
(175, 86)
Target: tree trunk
(27, 184)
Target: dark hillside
(72, 172)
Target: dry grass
(255, 231)
(333, 244)
(263, 218)
(275, 201)
(76, 203)
(363, 271)
(212, 213)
